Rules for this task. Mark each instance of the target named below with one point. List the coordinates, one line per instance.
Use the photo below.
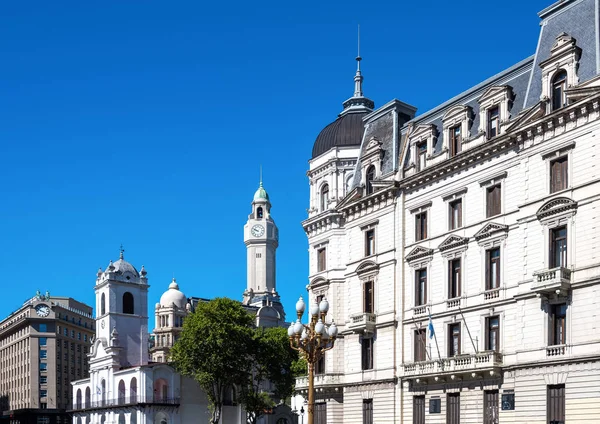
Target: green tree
(271, 377)
(214, 349)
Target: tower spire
(358, 102)
(260, 176)
(358, 79)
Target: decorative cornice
(453, 241)
(419, 252)
(490, 229)
(556, 206)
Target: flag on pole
(98, 391)
(430, 328)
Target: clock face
(102, 324)
(42, 310)
(257, 230)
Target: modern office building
(43, 347)
(458, 248)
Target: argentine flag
(430, 328)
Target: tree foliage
(221, 349)
(214, 347)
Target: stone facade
(460, 260)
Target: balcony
(124, 401)
(556, 350)
(321, 380)
(457, 367)
(554, 280)
(362, 323)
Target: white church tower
(122, 312)
(262, 238)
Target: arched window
(121, 418)
(102, 304)
(133, 390)
(133, 418)
(103, 419)
(127, 303)
(78, 397)
(259, 212)
(121, 392)
(370, 178)
(88, 396)
(324, 197)
(559, 84)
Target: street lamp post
(312, 341)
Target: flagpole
(424, 341)
(434, 335)
(468, 332)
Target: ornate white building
(457, 249)
(130, 381)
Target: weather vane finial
(121, 251)
(260, 174)
(358, 79)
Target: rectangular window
(420, 345)
(367, 353)
(43, 379)
(453, 340)
(43, 366)
(43, 328)
(368, 297)
(455, 214)
(43, 354)
(492, 269)
(558, 324)
(490, 407)
(558, 174)
(421, 287)
(418, 409)
(367, 411)
(43, 341)
(421, 226)
(320, 365)
(321, 259)
(493, 201)
(66, 332)
(556, 404)
(320, 416)
(454, 278)
(453, 408)
(369, 242)
(558, 247)
(493, 122)
(43, 393)
(492, 335)
(455, 140)
(422, 153)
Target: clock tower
(261, 238)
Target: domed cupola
(173, 296)
(121, 270)
(348, 128)
(261, 194)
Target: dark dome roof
(347, 130)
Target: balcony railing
(363, 322)
(551, 280)
(491, 294)
(321, 380)
(556, 350)
(462, 364)
(125, 401)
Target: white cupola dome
(173, 296)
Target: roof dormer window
(495, 107)
(457, 121)
(370, 176)
(559, 84)
(422, 141)
(493, 122)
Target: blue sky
(145, 123)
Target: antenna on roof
(358, 79)
(260, 174)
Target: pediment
(419, 252)
(367, 267)
(423, 131)
(532, 115)
(453, 241)
(490, 229)
(494, 92)
(373, 144)
(562, 39)
(456, 110)
(556, 206)
(349, 198)
(578, 93)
